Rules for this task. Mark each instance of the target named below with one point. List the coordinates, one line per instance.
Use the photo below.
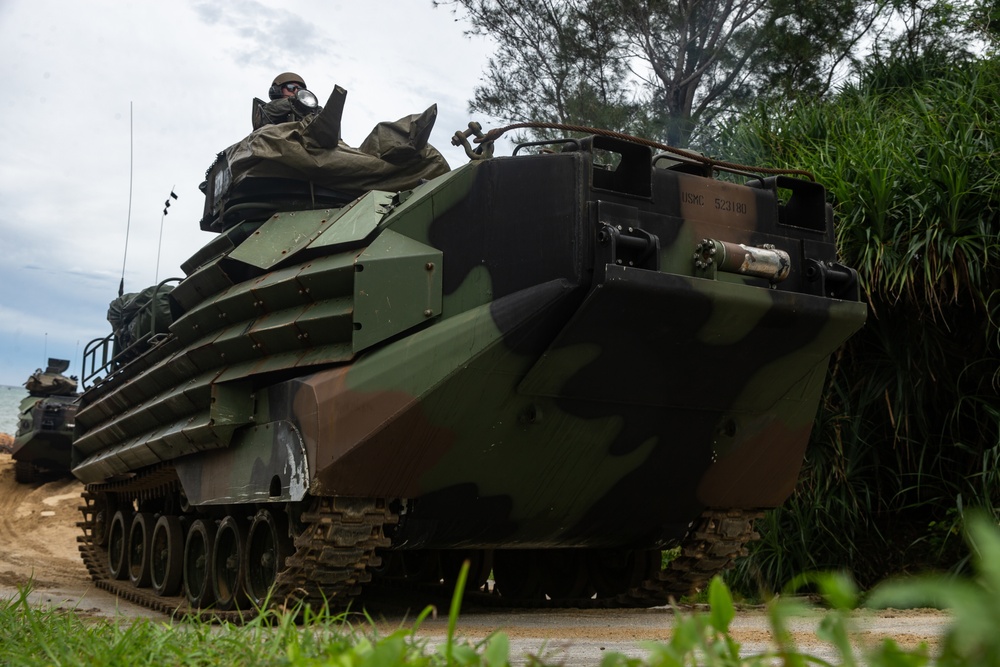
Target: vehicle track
(335, 550)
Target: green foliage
(299, 637)
(972, 639)
(909, 433)
(986, 19)
(58, 637)
(670, 71)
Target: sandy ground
(38, 545)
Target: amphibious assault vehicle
(44, 435)
(553, 365)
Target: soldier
(286, 103)
(285, 85)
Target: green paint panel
(167, 370)
(233, 345)
(414, 216)
(199, 388)
(166, 407)
(203, 284)
(168, 442)
(104, 435)
(183, 436)
(329, 321)
(205, 355)
(429, 355)
(156, 380)
(169, 373)
(172, 405)
(278, 290)
(232, 404)
(475, 290)
(164, 443)
(174, 438)
(226, 347)
(179, 438)
(92, 441)
(138, 455)
(200, 433)
(240, 303)
(324, 355)
(134, 452)
(268, 364)
(104, 465)
(175, 403)
(328, 277)
(197, 323)
(95, 413)
(236, 304)
(283, 236)
(356, 222)
(221, 246)
(276, 331)
(397, 286)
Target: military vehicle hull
(44, 438)
(546, 365)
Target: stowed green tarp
(395, 156)
(136, 314)
(50, 384)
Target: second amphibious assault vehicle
(551, 365)
(44, 439)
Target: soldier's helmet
(274, 92)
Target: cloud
(118, 103)
(267, 35)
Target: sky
(111, 105)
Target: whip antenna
(128, 222)
(159, 245)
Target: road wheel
(268, 544)
(228, 563)
(117, 544)
(138, 548)
(198, 563)
(166, 560)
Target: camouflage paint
(524, 350)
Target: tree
(671, 69)
(704, 59)
(554, 61)
(986, 19)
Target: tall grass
(908, 436)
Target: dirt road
(38, 531)
(38, 544)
